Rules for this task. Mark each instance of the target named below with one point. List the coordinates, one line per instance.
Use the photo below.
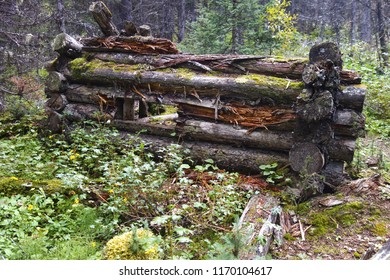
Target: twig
(138, 92)
(301, 230)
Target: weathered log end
(306, 158)
(326, 51)
(66, 45)
(315, 107)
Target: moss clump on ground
(328, 220)
(13, 185)
(138, 244)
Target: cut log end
(306, 158)
(316, 108)
(326, 51)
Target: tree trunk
(102, 16)
(60, 18)
(384, 51)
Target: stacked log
(240, 110)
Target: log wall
(240, 110)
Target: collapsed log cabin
(239, 110)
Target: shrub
(138, 244)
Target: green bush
(138, 244)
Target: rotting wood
(135, 44)
(251, 221)
(252, 87)
(291, 68)
(344, 122)
(103, 16)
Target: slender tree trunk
(234, 27)
(60, 16)
(365, 28)
(181, 21)
(352, 35)
(384, 52)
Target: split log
(134, 44)
(334, 174)
(55, 121)
(102, 15)
(254, 221)
(291, 68)
(341, 149)
(383, 253)
(57, 102)
(55, 82)
(67, 46)
(348, 123)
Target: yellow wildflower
(111, 191)
(93, 244)
(124, 199)
(76, 201)
(13, 178)
(72, 157)
(30, 207)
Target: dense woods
(95, 98)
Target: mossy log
(291, 68)
(253, 87)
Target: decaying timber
(241, 111)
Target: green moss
(356, 255)
(289, 237)
(185, 73)
(269, 81)
(13, 185)
(328, 220)
(379, 229)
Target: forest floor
(357, 226)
